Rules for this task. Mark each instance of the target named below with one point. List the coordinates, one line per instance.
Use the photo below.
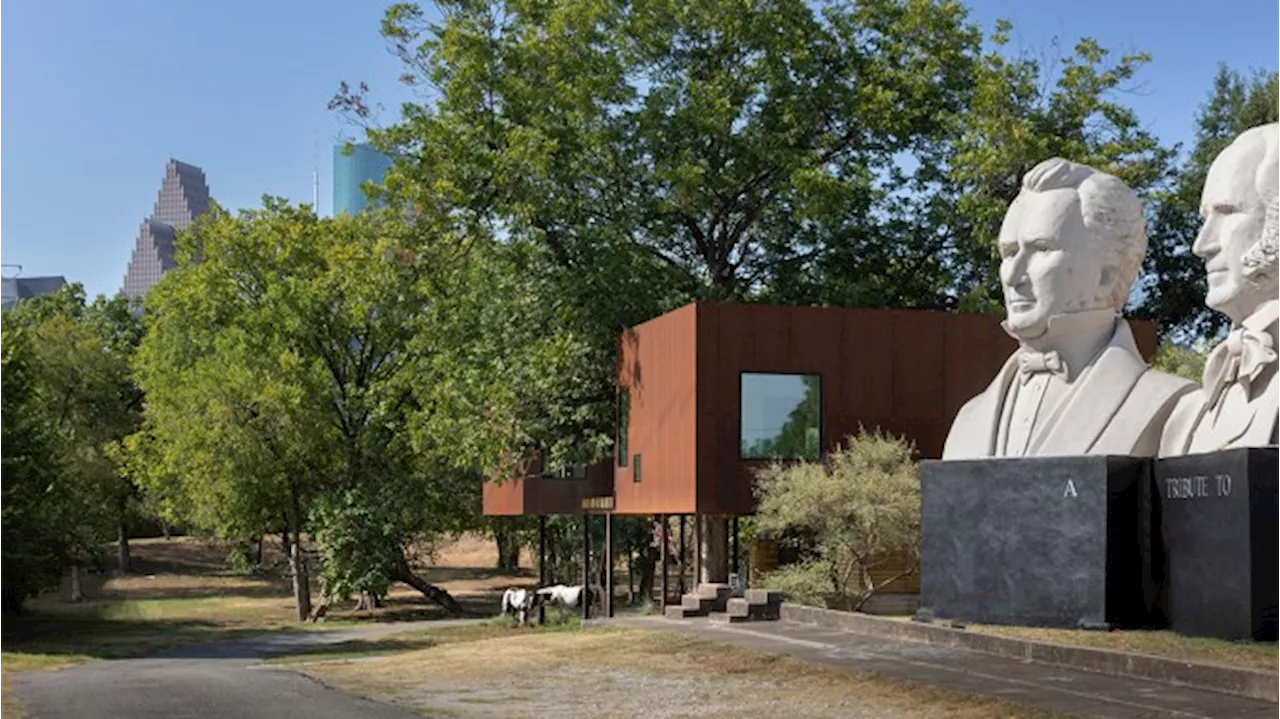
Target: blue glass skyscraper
(351, 171)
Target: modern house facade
(708, 393)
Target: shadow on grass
(418, 639)
(357, 648)
(90, 636)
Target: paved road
(1027, 683)
(209, 680)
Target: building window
(635, 468)
(781, 416)
(623, 424)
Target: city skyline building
(350, 173)
(184, 196)
(16, 289)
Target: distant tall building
(16, 289)
(350, 172)
(184, 196)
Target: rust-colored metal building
(538, 493)
(683, 376)
(711, 391)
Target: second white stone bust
(1071, 246)
(1238, 241)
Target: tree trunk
(123, 563)
(646, 563)
(631, 577)
(164, 529)
(301, 584)
(508, 543)
(297, 562)
(258, 552)
(76, 591)
(714, 546)
(430, 591)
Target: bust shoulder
(1157, 385)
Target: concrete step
(713, 590)
(698, 603)
(763, 596)
(678, 611)
(741, 610)
(730, 619)
(717, 593)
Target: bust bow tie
(1032, 363)
(1241, 358)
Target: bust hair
(1259, 260)
(1111, 212)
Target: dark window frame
(635, 469)
(822, 426)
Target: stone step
(677, 611)
(742, 610)
(701, 604)
(713, 590)
(763, 596)
(717, 593)
(730, 619)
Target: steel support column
(585, 599)
(682, 564)
(662, 558)
(608, 565)
(542, 563)
(734, 549)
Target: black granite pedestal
(1219, 526)
(1042, 541)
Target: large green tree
(714, 144)
(82, 353)
(1027, 107)
(347, 378)
(38, 540)
(654, 153)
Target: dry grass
(10, 707)
(182, 592)
(1253, 655)
(488, 672)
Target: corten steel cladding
(532, 494)
(905, 371)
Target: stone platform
(1218, 525)
(1041, 541)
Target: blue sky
(102, 94)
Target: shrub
(858, 512)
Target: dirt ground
(616, 672)
(191, 568)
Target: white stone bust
(1237, 407)
(1071, 246)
